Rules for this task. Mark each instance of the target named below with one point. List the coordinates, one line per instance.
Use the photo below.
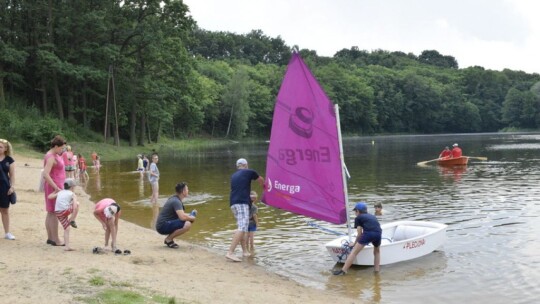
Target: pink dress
(58, 175)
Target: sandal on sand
(171, 244)
(127, 252)
(339, 272)
(73, 224)
(98, 250)
(53, 243)
(118, 251)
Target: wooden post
(107, 105)
(116, 133)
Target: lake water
(492, 209)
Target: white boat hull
(401, 241)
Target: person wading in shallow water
(368, 231)
(239, 202)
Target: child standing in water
(368, 231)
(253, 222)
(97, 164)
(378, 209)
(83, 174)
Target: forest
(141, 70)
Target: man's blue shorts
(170, 226)
(370, 237)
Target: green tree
(521, 109)
(487, 90)
(435, 58)
(354, 96)
(235, 101)
(423, 106)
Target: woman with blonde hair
(7, 181)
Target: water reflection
(97, 180)
(365, 286)
(141, 186)
(492, 209)
(363, 283)
(155, 213)
(452, 173)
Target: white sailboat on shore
(306, 174)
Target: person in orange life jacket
(456, 151)
(446, 153)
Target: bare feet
(232, 257)
(246, 254)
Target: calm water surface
(492, 209)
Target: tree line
(139, 70)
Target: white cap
(455, 145)
(241, 161)
(70, 182)
(110, 211)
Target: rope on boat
(345, 251)
(313, 224)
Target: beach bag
(12, 198)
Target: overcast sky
(495, 34)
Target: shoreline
(36, 272)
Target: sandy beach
(33, 272)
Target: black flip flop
(118, 251)
(53, 243)
(127, 252)
(171, 244)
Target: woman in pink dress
(54, 175)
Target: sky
(494, 34)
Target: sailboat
(306, 173)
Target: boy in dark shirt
(368, 231)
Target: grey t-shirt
(252, 211)
(153, 169)
(168, 212)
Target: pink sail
(303, 166)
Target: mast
(344, 173)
